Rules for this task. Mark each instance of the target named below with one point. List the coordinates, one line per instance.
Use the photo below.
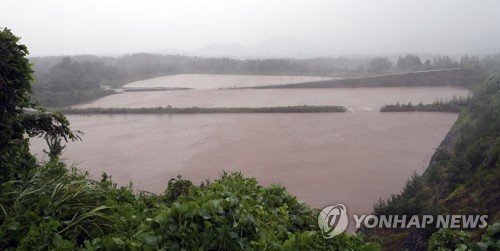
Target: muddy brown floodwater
(358, 98)
(353, 158)
(214, 81)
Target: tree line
(455, 104)
(62, 81)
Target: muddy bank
(449, 77)
(215, 81)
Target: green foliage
(15, 88)
(70, 82)
(66, 98)
(413, 200)
(447, 239)
(15, 75)
(52, 207)
(490, 240)
(60, 209)
(19, 117)
(233, 212)
(176, 188)
(455, 104)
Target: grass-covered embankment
(150, 89)
(454, 105)
(449, 77)
(461, 179)
(198, 110)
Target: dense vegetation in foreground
(54, 208)
(462, 178)
(49, 206)
(196, 110)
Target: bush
(448, 239)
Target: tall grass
(53, 201)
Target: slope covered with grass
(462, 178)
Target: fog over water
(293, 28)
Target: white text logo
(333, 220)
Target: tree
(20, 117)
(409, 63)
(443, 62)
(379, 65)
(427, 65)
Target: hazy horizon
(254, 28)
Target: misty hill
(276, 47)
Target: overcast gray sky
(339, 27)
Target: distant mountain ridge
(276, 47)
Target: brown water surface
(215, 81)
(354, 158)
(358, 98)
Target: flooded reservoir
(353, 158)
(216, 81)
